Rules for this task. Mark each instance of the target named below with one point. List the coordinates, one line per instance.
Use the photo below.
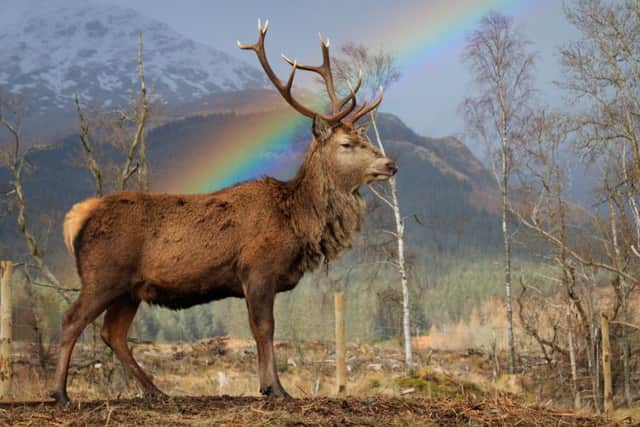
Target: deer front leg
(260, 308)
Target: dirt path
(254, 411)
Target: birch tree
(378, 70)
(590, 250)
(393, 203)
(603, 74)
(501, 67)
(548, 212)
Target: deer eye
(346, 144)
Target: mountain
(54, 52)
(448, 197)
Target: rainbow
(418, 36)
(256, 144)
(425, 32)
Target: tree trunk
(92, 163)
(395, 205)
(143, 176)
(574, 373)
(595, 376)
(623, 295)
(606, 366)
(591, 362)
(32, 243)
(504, 188)
(406, 314)
(138, 144)
(625, 367)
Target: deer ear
(321, 128)
(363, 129)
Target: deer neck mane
(324, 218)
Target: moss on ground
(436, 384)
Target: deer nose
(391, 166)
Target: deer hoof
(155, 395)
(270, 391)
(60, 397)
(266, 390)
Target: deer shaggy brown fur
(250, 241)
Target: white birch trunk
(574, 372)
(504, 189)
(623, 302)
(395, 206)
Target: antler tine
(324, 70)
(284, 89)
(367, 108)
(344, 113)
(339, 113)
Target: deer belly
(184, 292)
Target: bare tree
(124, 130)
(13, 155)
(604, 74)
(588, 249)
(377, 66)
(92, 163)
(545, 178)
(140, 107)
(378, 70)
(501, 66)
(401, 264)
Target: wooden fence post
(5, 329)
(606, 366)
(341, 372)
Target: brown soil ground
(255, 411)
(448, 388)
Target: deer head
(342, 145)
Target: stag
(252, 240)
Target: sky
(426, 36)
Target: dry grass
(242, 411)
(457, 386)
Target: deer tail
(75, 220)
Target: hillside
(439, 179)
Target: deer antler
(338, 113)
(365, 108)
(324, 70)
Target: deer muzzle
(382, 169)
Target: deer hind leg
(117, 322)
(82, 312)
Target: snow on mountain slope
(54, 52)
